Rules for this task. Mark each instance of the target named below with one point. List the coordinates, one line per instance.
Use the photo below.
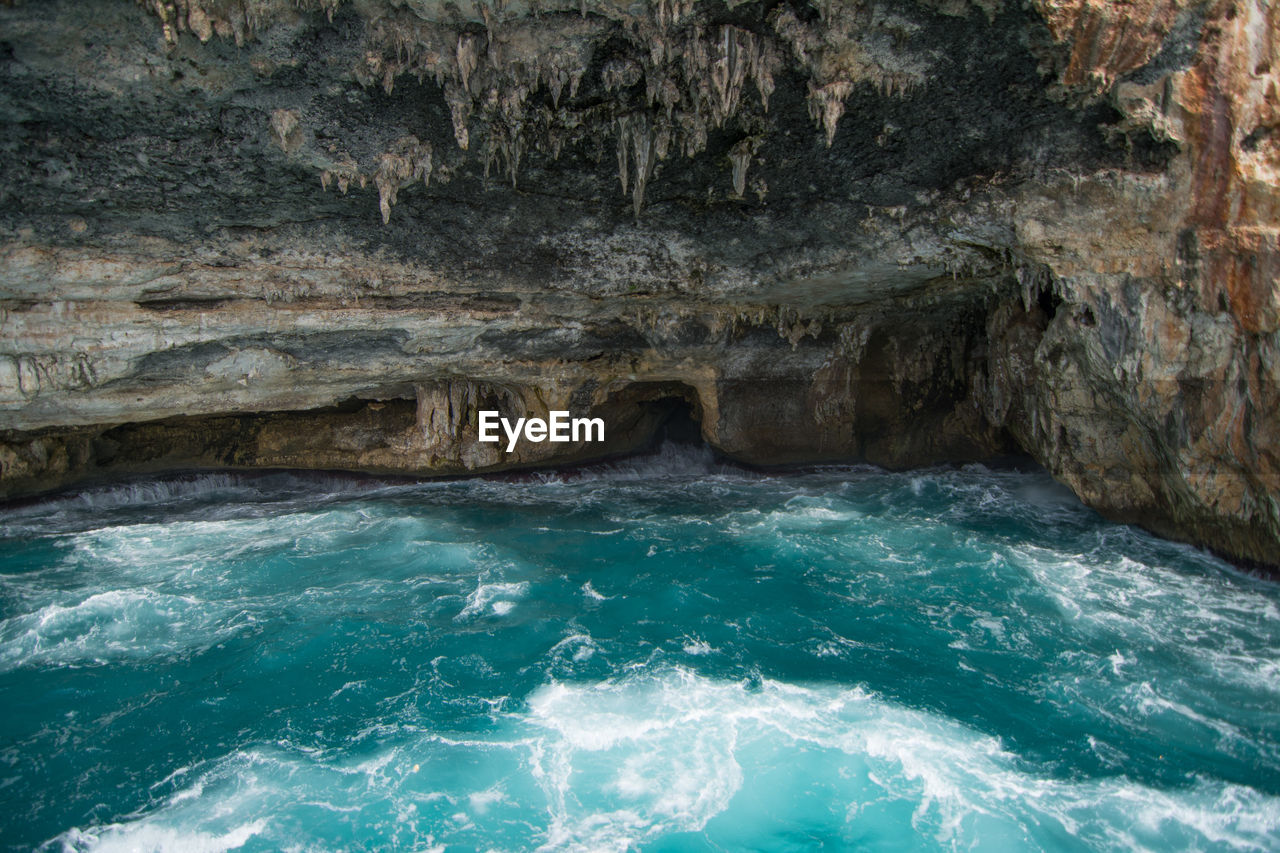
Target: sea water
(665, 654)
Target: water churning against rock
(664, 654)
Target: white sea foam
(144, 837)
(617, 764)
(203, 495)
(672, 751)
(1213, 621)
(696, 647)
(113, 625)
(498, 598)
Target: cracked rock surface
(325, 233)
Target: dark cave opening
(656, 413)
(679, 425)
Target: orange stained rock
(1228, 109)
(1108, 38)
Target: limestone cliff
(324, 233)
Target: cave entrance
(679, 426)
(657, 413)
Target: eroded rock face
(325, 234)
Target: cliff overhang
(324, 234)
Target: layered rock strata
(324, 234)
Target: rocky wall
(320, 234)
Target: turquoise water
(665, 654)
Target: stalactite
(343, 170)
(286, 131)
(238, 19)
(468, 55)
(624, 155)
(460, 112)
(740, 156)
(826, 105)
(642, 143)
(620, 74)
(637, 144)
(408, 160)
(693, 76)
(766, 62)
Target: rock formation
(317, 233)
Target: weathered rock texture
(316, 233)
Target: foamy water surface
(663, 654)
